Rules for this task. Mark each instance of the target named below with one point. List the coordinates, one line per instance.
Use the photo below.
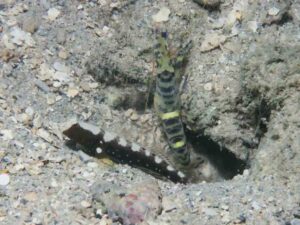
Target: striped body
(167, 101)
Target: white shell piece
(157, 159)
(147, 153)
(122, 142)
(170, 168)
(181, 174)
(135, 147)
(108, 136)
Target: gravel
(93, 59)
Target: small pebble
(255, 205)
(61, 36)
(41, 85)
(54, 183)
(19, 167)
(53, 13)
(46, 73)
(92, 164)
(295, 222)
(208, 86)
(134, 116)
(273, 11)
(93, 85)
(162, 15)
(61, 76)
(24, 118)
(72, 92)
(37, 121)
(7, 134)
(246, 173)
(225, 218)
(50, 99)
(29, 111)
(63, 54)
(61, 67)
(85, 86)
(212, 41)
(209, 211)
(252, 25)
(31, 196)
(30, 23)
(20, 37)
(4, 179)
(42, 133)
(271, 199)
(85, 204)
(129, 112)
(225, 207)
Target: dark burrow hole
(261, 117)
(224, 161)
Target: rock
(30, 23)
(208, 86)
(255, 206)
(46, 73)
(20, 37)
(162, 15)
(63, 54)
(61, 77)
(53, 13)
(85, 86)
(72, 92)
(7, 43)
(44, 135)
(273, 11)
(85, 204)
(4, 179)
(37, 121)
(6, 54)
(134, 116)
(132, 205)
(106, 221)
(31, 196)
(93, 85)
(295, 222)
(114, 99)
(24, 118)
(19, 167)
(42, 85)
(252, 25)
(61, 36)
(30, 112)
(212, 41)
(61, 67)
(225, 207)
(7, 134)
(51, 99)
(209, 211)
(129, 112)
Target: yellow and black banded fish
(167, 99)
(98, 141)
